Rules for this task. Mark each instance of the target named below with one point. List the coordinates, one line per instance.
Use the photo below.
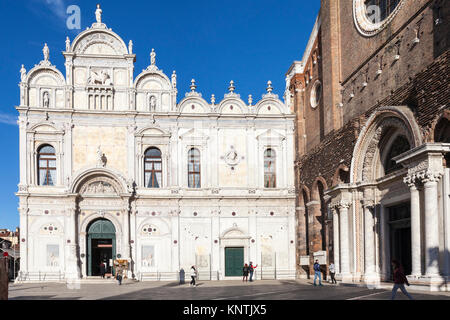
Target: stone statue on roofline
(130, 47)
(46, 52)
(153, 57)
(98, 14)
(67, 44)
(23, 73)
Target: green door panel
(234, 262)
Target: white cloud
(57, 7)
(8, 119)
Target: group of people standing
(248, 269)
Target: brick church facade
(373, 141)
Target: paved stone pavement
(208, 290)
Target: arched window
(153, 168)
(46, 166)
(399, 146)
(194, 175)
(270, 176)
(386, 8)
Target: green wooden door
(234, 262)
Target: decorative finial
(98, 14)
(23, 73)
(250, 100)
(213, 99)
(269, 86)
(46, 52)
(231, 88)
(193, 86)
(67, 44)
(153, 57)
(174, 79)
(130, 47)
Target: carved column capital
(369, 204)
(410, 180)
(429, 176)
(343, 205)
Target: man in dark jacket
(317, 273)
(399, 280)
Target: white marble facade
(100, 120)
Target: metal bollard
(182, 275)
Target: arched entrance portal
(101, 245)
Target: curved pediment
(152, 80)
(95, 41)
(193, 105)
(232, 105)
(45, 76)
(44, 127)
(270, 106)
(87, 182)
(152, 131)
(234, 233)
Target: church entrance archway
(101, 245)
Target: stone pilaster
(369, 239)
(336, 239)
(410, 180)
(430, 182)
(72, 264)
(343, 207)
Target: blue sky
(248, 41)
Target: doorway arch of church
(101, 246)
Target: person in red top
(399, 280)
(251, 270)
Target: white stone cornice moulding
(169, 115)
(421, 151)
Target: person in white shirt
(193, 276)
(332, 273)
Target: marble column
(430, 182)
(126, 235)
(416, 260)
(23, 244)
(72, 268)
(344, 238)
(336, 240)
(369, 240)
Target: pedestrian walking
(102, 270)
(333, 273)
(245, 273)
(251, 269)
(399, 280)
(119, 275)
(317, 273)
(194, 275)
